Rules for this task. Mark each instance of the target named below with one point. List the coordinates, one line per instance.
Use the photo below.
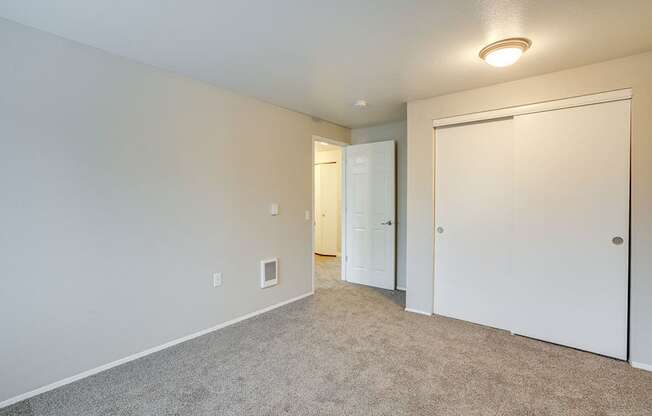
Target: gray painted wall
(123, 189)
(396, 131)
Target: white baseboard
(141, 354)
(401, 288)
(641, 366)
(419, 312)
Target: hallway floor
(327, 271)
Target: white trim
(641, 366)
(603, 97)
(313, 223)
(141, 354)
(316, 138)
(403, 288)
(417, 311)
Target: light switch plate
(273, 209)
(217, 279)
(307, 215)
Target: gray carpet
(352, 350)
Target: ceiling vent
(268, 273)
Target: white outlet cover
(273, 209)
(217, 279)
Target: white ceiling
(319, 57)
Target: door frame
(342, 146)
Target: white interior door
(571, 202)
(370, 214)
(327, 208)
(473, 217)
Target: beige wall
(632, 72)
(123, 189)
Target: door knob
(440, 230)
(386, 223)
(617, 240)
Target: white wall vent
(268, 273)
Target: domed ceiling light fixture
(505, 52)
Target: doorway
(328, 209)
(354, 214)
(328, 217)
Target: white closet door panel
(473, 207)
(571, 199)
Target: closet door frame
(578, 101)
(603, 97)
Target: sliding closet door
(473, 217)
(571, 222)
